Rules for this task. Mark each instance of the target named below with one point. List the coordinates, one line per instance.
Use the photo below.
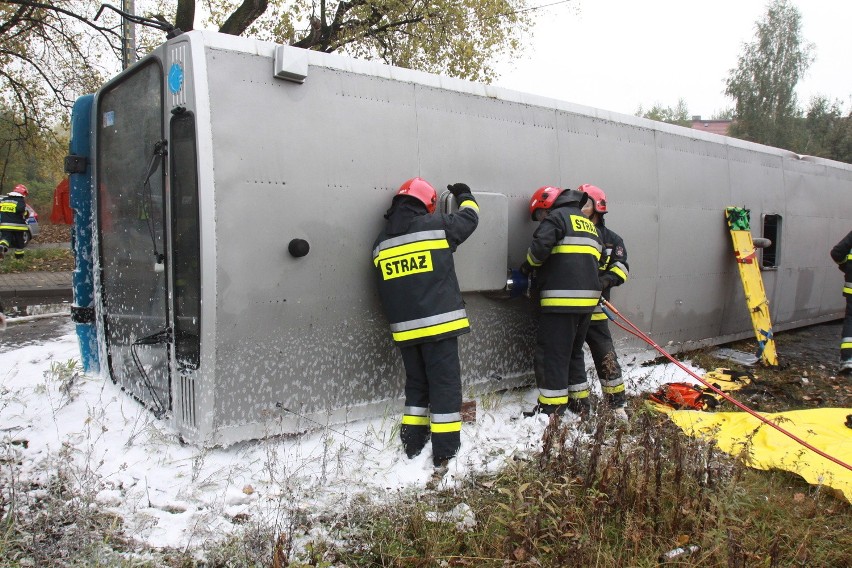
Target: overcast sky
(618, 54)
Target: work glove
(459, 189)
(526, 268)
(605, 283)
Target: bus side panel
(302, 334)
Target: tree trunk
(244, 16)
(185, 15)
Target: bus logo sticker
(175, 78)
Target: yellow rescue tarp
(763, 447)
(727, 380)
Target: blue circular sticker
(175, 78)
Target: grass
(611, 495)
(60, 528)
(55, 521)
(624, 499)
(46, 259)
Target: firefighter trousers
(13, 239)
(560, 370)
(433, 398)
(599, 340)
(846, 340)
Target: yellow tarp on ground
(823, 428)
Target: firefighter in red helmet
(841, 253)
(13, 221)
(564, 252)
(613, 271)
(418, 289)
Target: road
(814, 344)
(34, 331)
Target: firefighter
(418, 289)
(13, 221)
(565, 252)
(842, 255)
(612, 271)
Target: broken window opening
(770, 255)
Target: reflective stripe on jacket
(566, 249)
(13, 213)
(841, 253)
(416, 276)
(613, 265)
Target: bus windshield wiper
(162, 337)
(160, 152)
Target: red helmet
(543, 198)
(597, 196)
(420, 189)
(22, 189)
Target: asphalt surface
(34, 293)
(26, 298)
(33, 288)
(34, 331)
(19, 291)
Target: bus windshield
(130, 218)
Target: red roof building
(714, 126)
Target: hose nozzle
(518, 284)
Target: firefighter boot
(445, 446)
(616, 403)
(615, 400)
(413, 438)
(581, 407)
(846, 367)
(546, 409)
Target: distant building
(714, 126)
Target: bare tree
(49, 55)
(460, 38)
(53, 51)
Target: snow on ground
(175, 495)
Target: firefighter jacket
(613, 267)
(13, 213)
(416, 276)
(566, 250)
(842, 255)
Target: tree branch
(244, 16)
(13, 20)
(49, 7)
(185, 15)
(57, 92)
(370, 31)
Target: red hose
(641, 335)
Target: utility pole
(128, 35)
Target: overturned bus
(227, 193)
